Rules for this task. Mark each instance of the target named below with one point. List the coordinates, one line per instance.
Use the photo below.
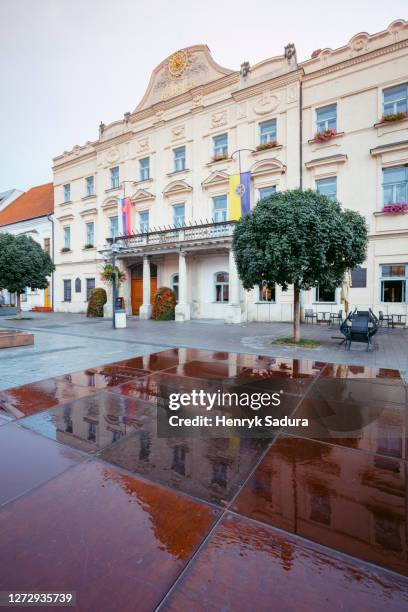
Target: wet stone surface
(84, 459)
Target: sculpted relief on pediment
(182, 71)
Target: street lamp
(115, 250)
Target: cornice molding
(355, 60)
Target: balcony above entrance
(194, 237)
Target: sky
(66, 65)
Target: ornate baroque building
(197, 124)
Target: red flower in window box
(220, 157)
(396, 208)
(391, 117)
(267, 145)
(326, 135)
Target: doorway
(137, 286)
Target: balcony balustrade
(159, 239)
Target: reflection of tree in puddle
(177, 522)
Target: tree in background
(23, 263)
(299, 238)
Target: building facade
(31, 214)
(199, 123)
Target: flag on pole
(239, 195)
(124, 216)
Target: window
(78, 285)
(90, 286)
(267, 293)
(179, 460)
(89, 186)
(220, 208)
(179, 159)
(219, 475)
(395, 185)
(144, 169)
(114, 177)
(114, 226)
(175, 285)
(394, 281)
(90, 234)
(221, 287)
(327, 187)
(220, 146)
(359, 277)
(326, 118)
(178, 215)
(395, 99)
(67, 237)
(67, 290)
(47, 245)
(144, 221)
(320, 506)
(325, 294)
(267, 131)
(265, 192)
(92, 432)
(67, 193)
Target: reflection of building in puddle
(345, 499)
(99, 421)
(207, 468)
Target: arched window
(175, 285)
(78, 287)
(267, 292)
(221, 286)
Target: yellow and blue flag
(239, 195)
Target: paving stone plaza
(101, 504)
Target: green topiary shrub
(96, 301)
(164, 305)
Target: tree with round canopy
(298, 238)
(23, 263)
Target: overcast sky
(66, 65)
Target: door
(137, 287)
(47, 297)
(137, 294)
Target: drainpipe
(302, 294)
(49, 217)
(300, 135)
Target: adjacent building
(337, 122)
(31, 214)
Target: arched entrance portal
(137, 286)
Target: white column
(145, 311)
(234, 306)
(183, 307)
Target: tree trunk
(296, 313)
(18, 303)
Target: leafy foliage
(164, 305)
(299, 238)
(107, 272)
(23, 263)
(96, 301)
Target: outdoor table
(398, 319)
(324, 319)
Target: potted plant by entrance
(164, 305)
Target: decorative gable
(177, 187)
(218, 177)
(268, 166)
(182, 71)
(141, 195)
